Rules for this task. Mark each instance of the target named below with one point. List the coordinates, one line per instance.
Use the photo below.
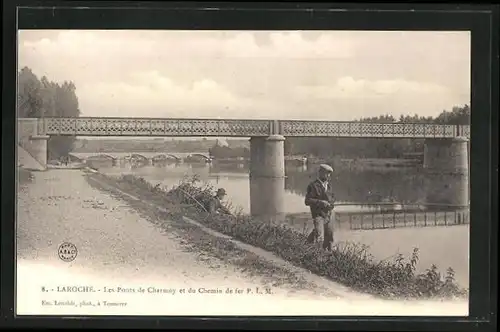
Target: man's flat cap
(326, 167)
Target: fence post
(383, 221)
(425, 218)
(435, 218)
(445, 221)
(373, 221)
(415, 219)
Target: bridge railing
(434, 215)
(155, 127)
(360, 129)
(242, 128)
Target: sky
(303, 75)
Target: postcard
(200, 173)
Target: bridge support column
(446, 165)
(38, 148)
(267, 178)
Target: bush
(348, 263)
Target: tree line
(40, 97)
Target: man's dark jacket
(214, 204)
(316, 193)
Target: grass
(349, 263)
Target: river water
(359, 190)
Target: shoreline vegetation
(349, 264)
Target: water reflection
(361, 188)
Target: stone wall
(32, 141)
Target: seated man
(214, 205)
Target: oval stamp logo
(67, 252)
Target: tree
(29, 96)
(457, 116)
(44, 98)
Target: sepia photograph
(243, 173)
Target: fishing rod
(194, 199)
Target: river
(361, 188)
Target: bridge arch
(165, 156)
(139, 156)
(199, 155)
(76, 158)
(102, 155)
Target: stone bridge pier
(38, 148)
(267, 178)
(34, 142)
(446, 165)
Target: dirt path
(111, 237)
(119, 247)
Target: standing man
(320, 201)
(214, 205)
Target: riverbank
(350, 264)
(67, 166)
(124, 243)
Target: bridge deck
(85, 126)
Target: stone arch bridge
(147, 156)
(445, 156)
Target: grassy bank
(349, 264)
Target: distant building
(221, 150)
(221, 142)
